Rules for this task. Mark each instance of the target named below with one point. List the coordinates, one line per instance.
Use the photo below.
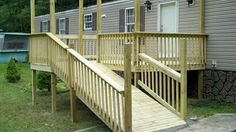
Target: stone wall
(220, 85)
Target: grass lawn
(209, 107)
(18, 114)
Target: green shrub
(12, 74)
(44, 81)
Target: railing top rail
(155, 33)
(75, 36)
(114, 84)
(53, 37)
(167, 70)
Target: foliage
(44, 81)
(12, 74)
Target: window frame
(45, 27)
(59, 26)
(126, 23)
(86, 22)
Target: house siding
(220, 25)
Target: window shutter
(94, 21)
(122, 20)
(48, 25)
(142, 18)
(57, 26)
(41, 26)
(67, 26)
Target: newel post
(183, 65)
(128, 90)
(52, 17)
(73, 98)
(80, 48)
(99, 28)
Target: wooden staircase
(103, 91)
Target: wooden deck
(148, 114)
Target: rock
(230, 76)
(230, 98)
(222, 76)
(227, 85)
(234, 83)
(219, 85)
(223, 93)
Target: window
(129, 19)
(88, 22)
(45, 26)
(14, 45)
(62, 26)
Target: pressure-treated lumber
(128, 91)
(137, 4)
(52, 17)
(34, 86)
(183, 94)
(73, 105)
(32, 8)
(53, 92)
(81, 27)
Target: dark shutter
(48, 25)
(142, 18)
(57, 26)
(67, 25)
(94, 21)
(41, 26)
(122, 20)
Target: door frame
(160, 3)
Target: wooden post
(99, 27)
(34, 86)
(128, 90)
(183, 61)
(52, 17)
(137, 29)
(53, 92)
(137, 15)
(73, 105)
(73, 98)
(80, 49)
(201, 30)
(32, 8)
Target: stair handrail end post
(183, 65)
(128, 88)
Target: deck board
(148, 114)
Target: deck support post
(99, 27)
(183, 65)
(32, 8)
(52, 17)
(73, 105)
(128, 90)
(201, 30)
(53, 92)
(80, 48)
(137, 4)
(34, 86)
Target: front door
(168, 17)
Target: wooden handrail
(163, 68)
(114, 84)
(100, 93)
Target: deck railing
(89, 44)
(101, 94)
(165, 84)
(163, 47)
